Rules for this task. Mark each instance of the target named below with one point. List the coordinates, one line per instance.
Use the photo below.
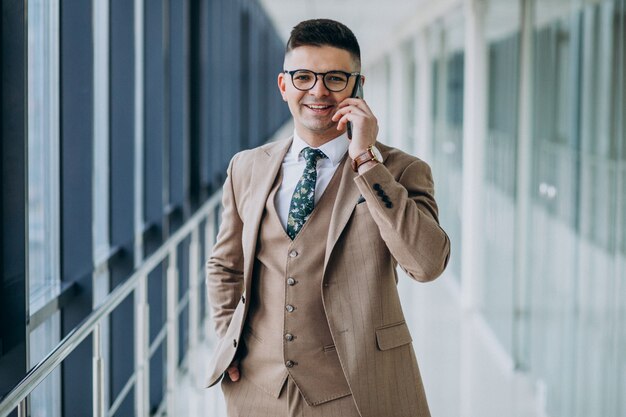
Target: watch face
(377, 154)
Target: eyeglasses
(334, 81)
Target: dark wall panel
(194, 87)
(204, 90)
(155, 120)
(122, 131)
(216, 108)
(76, 191)
(122, 191)
(13, 208)
(178, 99)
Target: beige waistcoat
(287, 330)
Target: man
(302, 279)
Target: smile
(319, 108)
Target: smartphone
(357, 92)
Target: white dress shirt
(293, 167)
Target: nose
(319, 89)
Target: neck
(315, 141)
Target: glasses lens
(303, 80)
(336, 81)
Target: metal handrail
(45, 367)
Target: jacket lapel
(264, 171)
(347, 197)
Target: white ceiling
(372, 21)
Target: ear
(282, 85)
(362, 80)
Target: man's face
(312, 110)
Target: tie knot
(311, 156)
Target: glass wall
(43, 146)
(576, 266)
(43, 192)
(448, 57)
(502, 37)
(553, 279)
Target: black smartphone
(357, 92)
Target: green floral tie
(303, 199)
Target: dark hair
(324, 32)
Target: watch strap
(366, 156)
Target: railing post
(98, 373)
(172, 329)
(194, 322)
(194, 300)
(209, 241)
(142, 348)
(22, 408)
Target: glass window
(45, 400)
(411, 106)
(448, 92)
(43, 191)
(43, 147)
(576, 272)
(503, 49)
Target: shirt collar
(334, 149)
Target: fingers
(354, 110)
(349, 117)
(233, 372)
(349, 113)
(356, 102)
(349, 110)
(352, 105)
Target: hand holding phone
(357, 92)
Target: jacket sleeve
(224, 269)
(407, 216)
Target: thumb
(233, 371)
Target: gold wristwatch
(371, 154)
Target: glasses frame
(323, 74)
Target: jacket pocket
(393, 335)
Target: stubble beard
(319, 125)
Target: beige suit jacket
(396, 224)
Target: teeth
(317, 107)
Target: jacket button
(289, 308)
(289, 337)
(291, 281)
(380, 193)
(289, 364)
(293, 254)
(377, 186)
(385, 199)
(243, 299)
(234, 343)
(389, 205)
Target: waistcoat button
(289, 337)
(234, 343)
(289, 364)
(289, 308)
(293, 254)
(291, 281)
